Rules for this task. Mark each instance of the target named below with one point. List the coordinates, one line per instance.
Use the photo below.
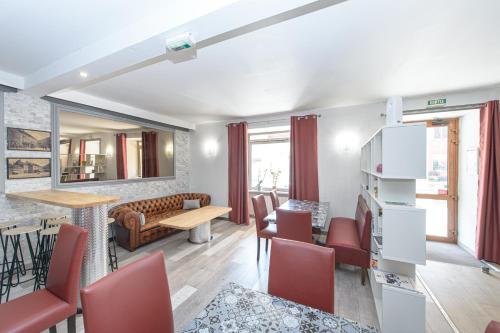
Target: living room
(184, 139)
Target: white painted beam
(11, 80)
(142, 44)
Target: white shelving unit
(391, 162)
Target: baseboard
(466, 249)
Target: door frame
(452, 195)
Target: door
(438, 193)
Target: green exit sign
(436, 102)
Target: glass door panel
(437, 193)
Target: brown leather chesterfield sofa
(130, 234)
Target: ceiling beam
(143, 44)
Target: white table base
(200, 234)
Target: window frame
(267, 141)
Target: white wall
(339, 170)
(467, 183)
(209, 161)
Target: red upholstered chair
(294, 225)
(134, 298)
(264, 229)
(351, 238)
(493, 327)
(275, 201)
(302, 273)
(44, 308)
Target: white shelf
(400, 151)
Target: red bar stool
(44, 308)
(302, 273)
(135, 298)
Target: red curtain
(238, 172)
(488, 217)
(121, 156)
(82, 158)
(304, 158)
(150, 164)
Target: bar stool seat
(52, 216)
(58, 222)
(50, 231)
(22, 230)
(7, 224)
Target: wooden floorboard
(196, 272)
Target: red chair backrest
(63, 279)
(493, 327)
(135, 298)
(275, 201)
(260, 211)
(302, 273)
(363, 219)
(294, 225)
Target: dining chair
(275, 201)
(134, 298)
(493, 327)
(264, 229)
(44, 308)
(302, 273)
(294, 225)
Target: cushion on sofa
(154, 221)
(191, 204)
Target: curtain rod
(276, 120)
(444, 109)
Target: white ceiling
(356, 52)
(34, 34)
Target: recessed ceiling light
(83, 74)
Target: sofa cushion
(191, 204)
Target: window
(269, 158)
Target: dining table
(238, 309)
(319, 211)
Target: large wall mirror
(96, 148)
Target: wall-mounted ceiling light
(84, 74)
(347, 142)
(210, 148)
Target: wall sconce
(109, 151)
(347, 142)
(169, 149)
(210, 148)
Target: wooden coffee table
(197, 221)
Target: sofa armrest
(129, 220)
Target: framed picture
(26, 139)
(22, 168)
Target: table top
(238, 309)
(64, 198)
(195, 217)
(319, 211)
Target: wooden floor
(469, 297)
(197, 272)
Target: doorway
(438, 193)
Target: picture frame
(28, 139)
(28, 167)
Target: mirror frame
(56, 108)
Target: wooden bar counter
(88, 211)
